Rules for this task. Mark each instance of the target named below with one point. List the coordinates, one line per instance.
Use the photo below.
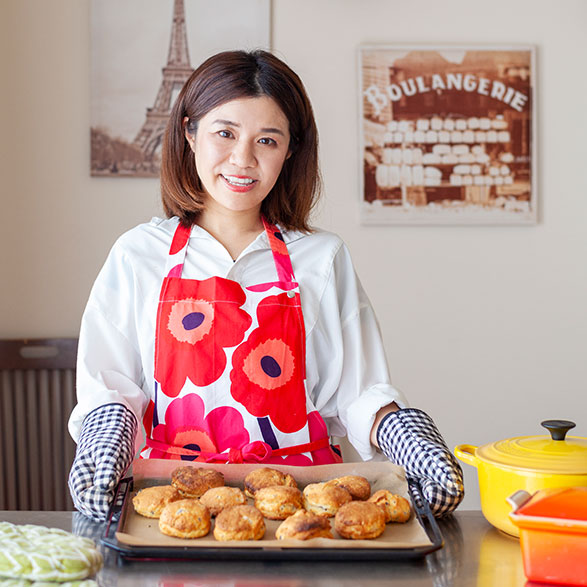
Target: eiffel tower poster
(143, 51)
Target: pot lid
(556, 453)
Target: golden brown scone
(360, 520)
(186, 518)
(218, 498)
(195, 481)
(304, 525)
(279, 501)
(357, 486)
(239, 522)
(324, 499)
(266, 477)
(149, 502)
(395, 507)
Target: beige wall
(485, 327)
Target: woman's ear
(190, 138)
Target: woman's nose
(242, 154)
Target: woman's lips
(239, 183)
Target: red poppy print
(263, 368)
(197, 318)
(187, 427)
(175, 271)
(148, 417)
(268, 368)
(323, 456)
(276, 241)
(280, 253)
(180, 239)
(318, 430)
(190, 320)
(300, 460)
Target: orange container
(553, 534)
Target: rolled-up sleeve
(109, 366)
(347, 359)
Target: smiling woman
(264, 342)
(240, 148)
(242, 97)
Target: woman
(231, 330)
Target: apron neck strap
(179, 247)
(178, 250)
(280, 253)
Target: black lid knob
(558, 428)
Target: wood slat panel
(37, 395)
(8, 482)
(69, 446)
(45, 394)
(57, 412)
(21, 444)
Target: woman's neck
(234, 230)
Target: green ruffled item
(25, 583)
(35, 555)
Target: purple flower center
(190, 457)
(270, 366)
(192, 320)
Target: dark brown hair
(229, 76)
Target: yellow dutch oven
(525, 462)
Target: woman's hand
(409, 438)
(104, 452)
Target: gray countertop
(474, 553)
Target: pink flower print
(187, 427)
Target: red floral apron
(230, 369)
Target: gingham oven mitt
(105, 450)
(410, 438)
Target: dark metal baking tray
(132, 552)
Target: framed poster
(447, 135)
(142, 52)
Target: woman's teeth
(238, 180)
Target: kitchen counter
(474, 553)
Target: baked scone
(279, 501)
(150, 501)
(186, 518)
(360, 520)
(395, 507)
(195, 481)
(239, 522)
(304, 525)
(324, 499)
(218, 498)
(359, 487)
(266, 477)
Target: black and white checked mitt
(104, 452)
(410, 438)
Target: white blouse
(346, 369)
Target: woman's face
(240, 148)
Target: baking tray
(123, 523)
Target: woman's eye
(267, 141)
(225, 134)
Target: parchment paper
(136, 530)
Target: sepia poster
(142, 52)
(447, 135)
